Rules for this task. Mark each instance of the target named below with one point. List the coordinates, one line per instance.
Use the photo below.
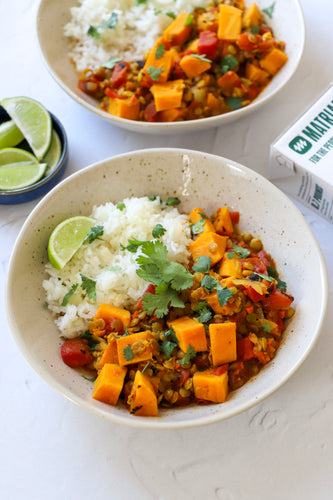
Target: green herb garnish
(269, 10)
(241, 252)
(197, 228)
(255, 30)
(204, 311)
(172, 201)
(111, 62)
(128, 353)
(159, 51)
(158, 231)
(223, 294)
(133, 245)
(89, 286)
(228, 63)
(167, 347)
(202, 57)
(94, 233)
(69, 294)
(120, 206)
(189, 20)
(154, 72)
(190, 354)
(202, 264)
(234, 102)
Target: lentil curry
(198, 332)
(207, 63)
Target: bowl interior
(287, 22)
(198, 180)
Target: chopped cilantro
(166, 12)
(159, 303)
(90, 379)
(241, 252)
(92, 342)
(228, 63)
(202, 57)
(234, 102)
(202, 264)
(93, 32)
(120, 206)
(151, 198)
(69, 294)
(197, 228)
(230, 255)
(190, 354)
(167, 347)
(89, 286)
(154, 72)
(133, 245)
(94, 233)
(189, 20)
(266, 327)
(139, 2)
(158, 231)
(204, 311)
(172, 201)
(223, 294)
(110, 63)
(128, 353)
(264, 276)
(269, 10)
(159, 51)
(114, 268)
(281, 285)
(170, 335)
(145, 367)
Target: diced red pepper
(150, 113)
(229, 81)
(75, 352)
(113, 94)
(119, 74)
(244, 349)
(253, 294)
(278, 300)
(221, 369)
(248, 41)
(184, 375)
(207, 44)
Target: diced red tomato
(184, 375)
(229, 81)
(150, 113)
(253, 294)
(119, 74)
(220, 370)
(75, 352)
(263, 255)
(244, 349)
(278, 300)
(113, 94)
(259, 266)
(248, 41)
(207, 44)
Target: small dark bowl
(46, 183)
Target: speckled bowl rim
(163, 422)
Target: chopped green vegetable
(223, 294)
(269, 10)
(110, 63)
(172, 201)
(197, 228)
(90, 379)
(189, 20)
(133, 245)
(166, 12)
(92, 341)
(228, 63)
(120, 206)
(94, 31)
(159, 51)
(94, 233)
(145, 367)
(202, 264)
(190, 354)
(152, 198)
(241, 252)
(234, 102)
(281, 285)
(69, 294)
(204, 311)
(128, 353)
(202, 57)
(89, 286)
(154, 72)
(158, 231)
(266, 328)
(167, 347)
(255, 30)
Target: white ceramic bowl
(287, 23)
(198, 179)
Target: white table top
(50, 448)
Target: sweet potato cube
(189, 331)
(177, 33)
(210, 387)
(208, 21)
(125, 108)
(214, 104)
(170, 115)
(109, 383)
(252, 16)
(223, 342)
(256, 74)
(273, 61)
(230, 22)
(168, 95)
(230, 267)
(143, 400)
(223, 224)
(109, 312)
(164, 62)
(110, 355)
(134, 348)
(193, 66)
(196, 215)
(210, 245)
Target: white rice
(136, 31)
(113, 269)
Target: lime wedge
(10, 134)
(33, 120)
(53, 155)
(20, 174)
(15, 155)
(67, 238)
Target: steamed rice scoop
(112, 267)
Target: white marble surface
(49, 448)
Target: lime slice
(33, 120)
(67, 238)
(53, 155)
(10, 134)
(20, 174)
(15, 155)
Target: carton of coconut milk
(301, 159)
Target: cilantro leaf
(133, 245)
(167, 347)
(241, 252)
(176, 275)
(202, 264)
(145, 367)
(234, 102)
(223, 294)
(114, 268)
(154, 72)
(90, 379)
(93, 32)
(190, 354)
(159, 303)
(158, 231)
(209, 283)
(89, 286)
(128, 353)
(110, 63)
(151, 198)
(281, 285)
(160, 49)
(120, 206)
(172, 201)
(166, 12)
(189, 20)
(269, 10)
(139, 2)
(170, 335)
(92, 342)
(229, 62)
(204, 311)
(197, 228)
(112, 22)
(94, 233)
(69, 294)
(255, 30)
(266, 328)
(202, 57)
(264, 276)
